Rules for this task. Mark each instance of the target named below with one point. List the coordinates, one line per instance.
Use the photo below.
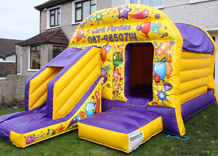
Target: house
(58, 21)
(60, 18)
(39, 50)
(8, 59)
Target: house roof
(50, 3)
(52, 36)
(7, 47)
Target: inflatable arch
(132, 62)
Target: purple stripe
(168, 114)
(137, 102)
(65, 58)
(144, 114)
(109, 124)
(79, 54)
(197, 104)
(121, 119)
(8, 122)
(138, 122)
(168, 117)
(195, 39)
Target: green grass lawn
(202, 130)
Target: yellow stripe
(211, 83)
(193, 84)
(38, 86)
(187, 64)
(115, 140)
(192, 94)
(70, 88)
(189, 75)
(194, 55)
(76, 96)
(19, 140)
(152, 129)
(180, 121)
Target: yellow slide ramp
(69, 86)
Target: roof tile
(7, 46)
(55, 36)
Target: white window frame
(74, 9)
(158, 7)
(197, 1)
(48, 17)
(29, 69)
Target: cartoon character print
(30, 139)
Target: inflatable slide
(66, 90)
(145, 73)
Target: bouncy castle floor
(201, 130)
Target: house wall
(201, 14)
(67, 13)
(25, 63)
(115, 3)
(102, 4)
(19, 55)
(43, 20)
(11, 58)
(66, 19)
(46, 56)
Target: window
(55, 17)
(153, 3)
(57, 50)
(35, 56)
(84, 9)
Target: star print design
(123, 12)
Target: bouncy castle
(128, 74)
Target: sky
(19, 19)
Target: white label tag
(135, 139)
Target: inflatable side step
(120, 128)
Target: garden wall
(12, 88)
